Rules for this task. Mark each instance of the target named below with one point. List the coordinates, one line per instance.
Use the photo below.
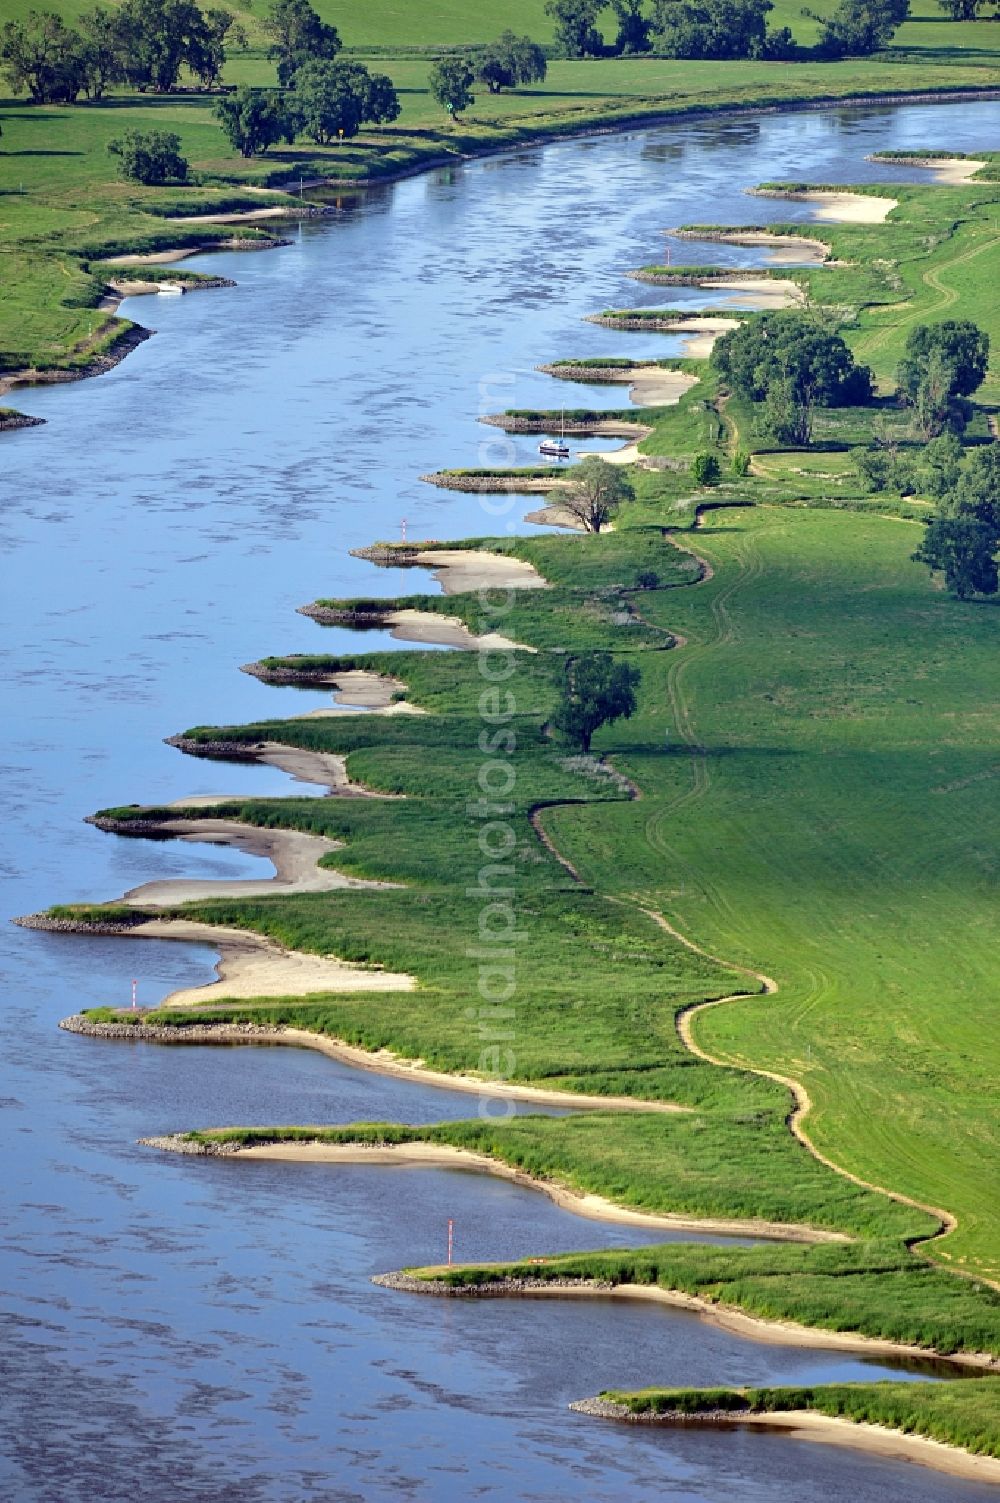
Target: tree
(150, 157)
(299, 37)
(103, 65)
(711, 28)
(508, 61)
(859, 27)
(451, 81)
(254, 119)
(977, 493)
(597, 492)
(633, 26)
(705, 469)
(965, 10)
(962, 538)
(964, 550)
(157, 38)
(332, 100)
(942, 460)
(43, 57)
(597, 691)
(963, 345)
(575, 25)
(942, 365)
(791, 363)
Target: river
(185, 1329)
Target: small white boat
(170, 289)
(556, 448)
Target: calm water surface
(200, 1330)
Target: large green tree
(509, 61)
(298, 36)
(634, 26)
(596, 493)
(596, 692)
(576, 26)
(451, 81)
(962, 538)
(711, 28)
(331, 100)
(943, 364)
(791, 363)
(859, 27)
(254, 119)
(43, 57)
(158, 38)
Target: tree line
(141, 44)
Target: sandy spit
(251, 966)
(951, 170)
(459, 571)
(830, 1429)
(556, 516)
(294, 853)
(774, 1332)
(786, 250)
(594, 1207)
(842, 208)
(447, 631)
(757, 294)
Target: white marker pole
(451, 1239)
(134, 986)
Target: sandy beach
(951, 170)
(294, 854)
(830, 1429)
(594, 1207)
(783, 250)
(447, 631)
(252, 966)
(460, 570)
(848, 208)
(756, 294)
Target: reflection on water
(181, 1329)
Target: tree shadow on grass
(42, 153)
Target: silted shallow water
(201, 1330)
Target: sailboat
(556, 448)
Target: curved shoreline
(831, 1429)
(415, 626)
(442, 1155)
(727, 1317)
(622, 125)
(250, 966)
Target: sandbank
(594, 1207)
(459, 571)
(447, 631)
(952, 170)
(294, 854)
(829, 1429)
(757, 294)
(251, 966)
(849, 208)
(783, 250)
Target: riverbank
(425, 1154)
(448, 1283)
(832, 1429)
(133, 236)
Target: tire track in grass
(931, 278)
(750, 567)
